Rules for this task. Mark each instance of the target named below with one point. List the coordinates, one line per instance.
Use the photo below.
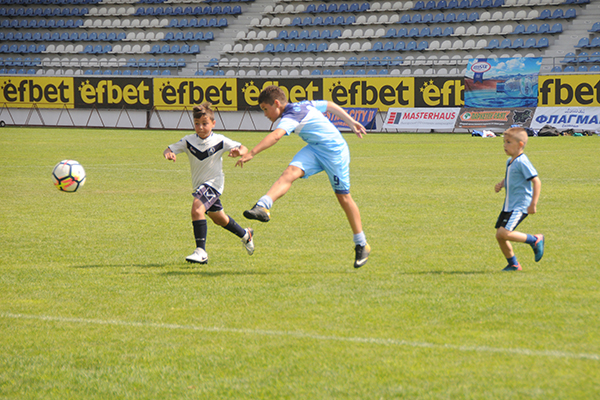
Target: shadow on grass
(448, 273)
(122, 266)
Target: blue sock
(512, 260)
(530, 239)
(265, 202)
(360, 239)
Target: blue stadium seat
(556, 28)
(556, 69)
(595, 68)
(517, 44)
(569, 58)
(400, 46)
(545, 14)
(532, 29)
(583, 42)
(569, 68)
(595, 27)
(530, 43)
(542, 43)
(519, 30)
(505, 44)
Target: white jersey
(205, 156)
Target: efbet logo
(295, 90)
(112, 93)
(179, 92)
(36, 90)
(441, 92)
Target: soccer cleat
(362, 255)
(199, 256)
(259, 213)
(513, 268)
(538, 247)
(248, 241)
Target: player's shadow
(213, 274)
(122, 266)
(447, 273)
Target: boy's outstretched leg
(361, 247)
(226, 222)
(260, 211)
(537, 244)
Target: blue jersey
(306, 118)
(326, 149)
(517, 183)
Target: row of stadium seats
(418, 18)
(199, 10)
(19, 62)
(92, 2)
(580, 68)
(125, 23)
(583, 57)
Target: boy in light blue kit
(523, 187)
(326, 150)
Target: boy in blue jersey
(523, 187)
(326, 150)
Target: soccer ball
(68, 176)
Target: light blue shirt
(306, 118)
(517, 184)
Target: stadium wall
(166, 102)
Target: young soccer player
(204, 150)
(523, 187)
(326, 150)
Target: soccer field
(97, 301)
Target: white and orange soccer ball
(68, 176)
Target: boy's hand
(358, 129)
(245, 158)
(234, 152)
(531, 209)
(499, 186)
(169, 155)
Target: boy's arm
(536, 183)
(268, 141)
(344, 116)
(169, 155)
(238, 151)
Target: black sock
(235, 228)
(200, 230)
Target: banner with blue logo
(366, 116)
(562, 118)
(502, 82)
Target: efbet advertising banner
(44, 92)
(421, 118)
(569, 91)
(180, 93)
(501, 118)
(111, 93)
(295, 90)
(502, 82)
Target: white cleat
(248, 241)
(199, 256)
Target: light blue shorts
(336, 163)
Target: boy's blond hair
(517, 133)
(202, 110)
(271, 93)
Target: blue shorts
(509, 220)
(335, 163)
(209, 197)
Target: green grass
(97, 301)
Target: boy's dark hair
(270, 94)
(202, 110)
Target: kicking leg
(200, 230)
(260, 211)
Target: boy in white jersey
(523, 188)
(204, 150)
(326, 150)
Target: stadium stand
(254, 38)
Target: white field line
(310, 336)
